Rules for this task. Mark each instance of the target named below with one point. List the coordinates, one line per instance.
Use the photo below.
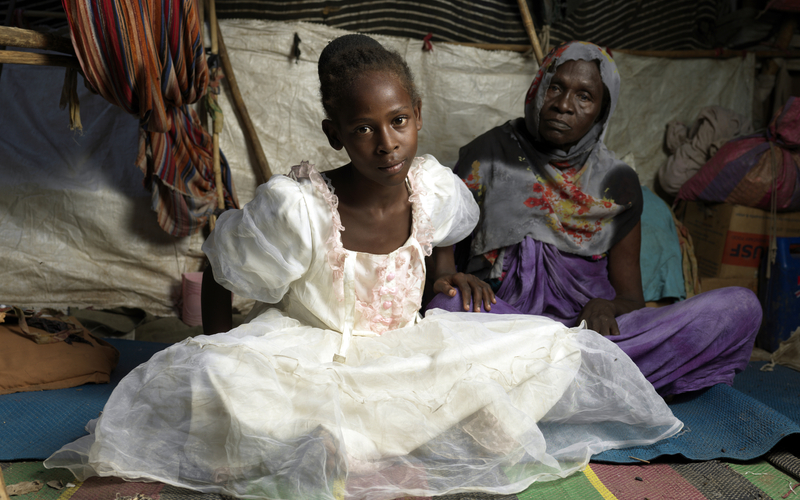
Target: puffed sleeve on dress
(448, 202)
(259, 250)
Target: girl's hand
(599, 316)
(470, 287)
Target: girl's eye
(363, 130)
(400, 120)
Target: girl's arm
(625, 276)
(445, 279)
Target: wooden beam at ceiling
(30, 39)
(36, 59)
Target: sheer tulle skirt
(457, 402)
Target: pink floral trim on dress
(389, 306)
(370, 311)
(393, 305)
(422, 229)
(336, 252)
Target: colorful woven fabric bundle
(147, 57)
(752, 170)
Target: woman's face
(572, 104)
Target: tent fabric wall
(478, 21)
(642, 25)
(622, 24)
(656, 90)
(465, 92)
(76, 228)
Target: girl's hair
(348, 57)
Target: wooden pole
(527, 21)
(202, 109)
(212, 21)
(262, 170)
(217, 127)
(36, 59)
(30, 39)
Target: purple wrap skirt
(686, 346)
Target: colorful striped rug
(716, 480)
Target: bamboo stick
(218, 172)
(30, 39)
(262, 170)
(527, 21)
(36, 59)
(217, 127)
(202, 109)
(212, 21)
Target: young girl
(339, 389)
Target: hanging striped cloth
(147, 58)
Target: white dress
(343, 391)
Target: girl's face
(377, 124)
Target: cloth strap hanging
(147, 57)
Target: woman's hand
(626, 278)
(470, 287)
(599, 316)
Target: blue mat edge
(790, 425)
(25, 404)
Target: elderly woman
(560, 233)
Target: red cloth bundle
(751, 170)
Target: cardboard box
(730, 240)
(707, 284)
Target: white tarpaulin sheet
(75, 224)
